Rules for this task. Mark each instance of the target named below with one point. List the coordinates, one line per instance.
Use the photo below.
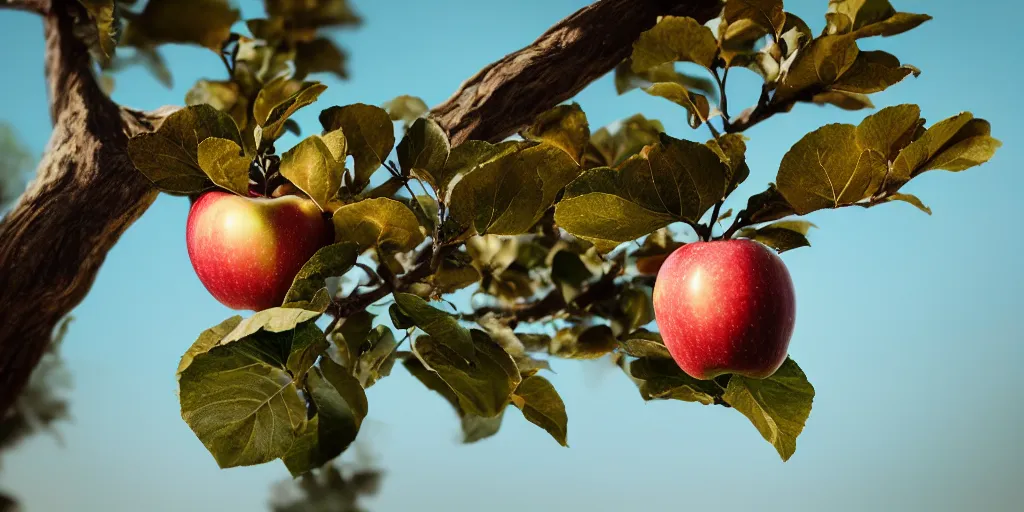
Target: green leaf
(321, 55)
(175, 21)
(954, 144)
(909, 198)
(781, 236)
(348, 338)
(207, 340)
(826, 169)
(583, 343)
(105, 28)
(767, 206)
(674, 39)
(542, 406)
(444, 328)
(456, 272)
(406, 108)
(564, 127)
(873, 72)
(482, 383)
(896, 24)
(637, 308)
(778, 406)
(370, 135)
(316, 166)
(331, 261)
(890, 130)
(269, 320)
(626, 79)
(661, 379)
(377, 356)
(242, 402)
(643, 343)
(474, 427)
(341, 406)
(424, 151)
(169, 157)
(382, 222)
(765, 13)
(508, 195)
(281, 98)
(696, 105)
(311, 15)
(731, 149)
(675, 181)
(303, 346)
(817, 66)
(610, 150)
(467, 157)
(226, 164)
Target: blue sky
(908, 325)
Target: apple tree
(556, 230)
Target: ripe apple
(725, 307)
(246, 251)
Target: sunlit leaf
(697, 106)
(316, 166)
(382, 222)
(816, 66)
(424, 150)
(564, 127)
(674, 39)
(225, 164)
(370, 136)
(766, 13)
(279, 100)
(827, 169)
(406, 108)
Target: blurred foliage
(41, 406)
(15, 164)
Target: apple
(724, 307)
(246, 250)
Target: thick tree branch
(508, 94)
(85, 194)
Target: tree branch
(85, 194)
(508, 94)
(36, 6)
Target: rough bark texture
(504, 96)
(87, 192)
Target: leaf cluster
(557, 234)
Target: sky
(908, 325)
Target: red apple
(246, 251)
(725, 307)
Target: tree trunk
(87, 192)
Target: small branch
(360, 301)
(723, 98)
(767, 108)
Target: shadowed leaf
(424, 151)
(482, 383)
(542, 406)
(169, 157)
(661, 379)
(331, 261)
(508, 195)
(778, 406)
(370, 136)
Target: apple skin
(246, 251)
(725, 307)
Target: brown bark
(506, 95)
(87, 192)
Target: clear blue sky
(908, 326)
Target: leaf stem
(723, 101)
